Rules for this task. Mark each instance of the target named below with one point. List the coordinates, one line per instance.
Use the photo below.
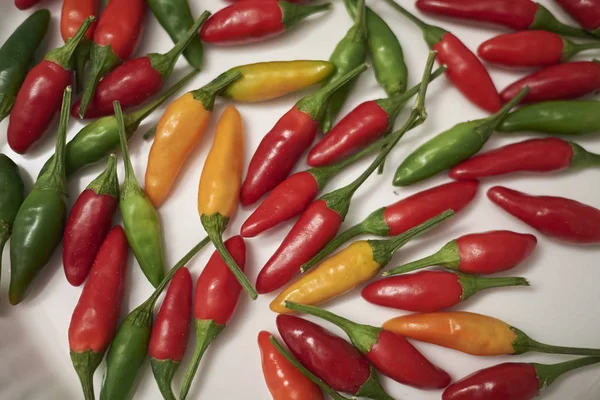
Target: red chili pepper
(170, 331)
(534, 155)
(135, 81)
(94, 321)
(558, 217)
(586, 12)
(89, 223)
(285, 143)
(40, 96)
(25, 4)
(562, 81)
(216, 298)
(251, 21)
(430, 291)
(329, 357)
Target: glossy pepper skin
(586, 12)
(136, 80)
(430, 291)
(170, 331)
(94, 321)
(558, 82)
(515, 381)
(89, 222)
(11, 198)
(558, 217)
(40, 221)
(178, 131)
(40, 95)
(25, 4)
(534, 155)
(16, 55)
(251, 21)
(215, 301)
(477, 253)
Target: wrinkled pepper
(11, 198)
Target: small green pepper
(12, 192)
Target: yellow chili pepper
(179, 130)
(269, 80)
(475, 334)
(219, 187)
(354, 265)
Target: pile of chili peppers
(98, 55)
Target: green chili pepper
(349, 53)
(128, 349)
(100, 138)
(16, 56)
(450, 147)
(140, 218)
(40, 221)
(386, 52)
(563, 117)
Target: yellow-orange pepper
(354, 265)
(269, 80)
(178, 131)
(219, 187)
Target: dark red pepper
(170, 331)
(563, 81)
(514, 381)
(89, 222)
(431, 291)
(586, 12)
(25, 4)
(251, 21)
(40, 96)
(534, 155)
(559, 217)
(282, 147)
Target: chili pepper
(170, 332)
(140, 219)
(354, 265)
(284, 144)
(94, 321)
(430, 291)
(330, 358)
(115, 39)
(477, 253)
(559, 217)
(176, 18)
(515, 14)
(251, 21)
(465, 70)
(39, 223)
(451, 147)
(16, 55)
(474, 334)
(284, 381)
(25, 4)
(320, 222)
(100, 138)
(515, 381)
(217, 294)
(179, 130)
(389, 353)
(535, 155)
(11, 198)
(386, 52)
(403, 215)
(136, 80)
(89, 223)
(558, 82)
(567, 117)
(348, 54)
(128, 349)
(586, 12)
(40, 96)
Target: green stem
(583, 158)
(108, 181)
(547, 374)
(474, 284)
(85, 364)
(545, 20)
(496, 119)
(63, 56)
(103, 59)
(207, 94)
(333, 245)
(360, 20)
(433, 34)
(293, 13)
(524, 344)
(448, 256)
(163, 371)
(130, 184)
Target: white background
(559, 308)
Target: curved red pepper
(25, 4)
(558, 217)
(74, 13)
(523, 49)
(120, 26)
(586, 12)
(562, 81)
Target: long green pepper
(40, 221)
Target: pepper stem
(474, 284)
(163, 371)
(130, 184)
(292, 13)
(548, 373)
(103, 60)
(85, 364)
(372, 389)
(583, 158)
(544, 20)
(448, 256)
(207, 94)
(108, 181)
(63, 56)
(496, 119)
(432, 34)
(523, 344)
(206, 332)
